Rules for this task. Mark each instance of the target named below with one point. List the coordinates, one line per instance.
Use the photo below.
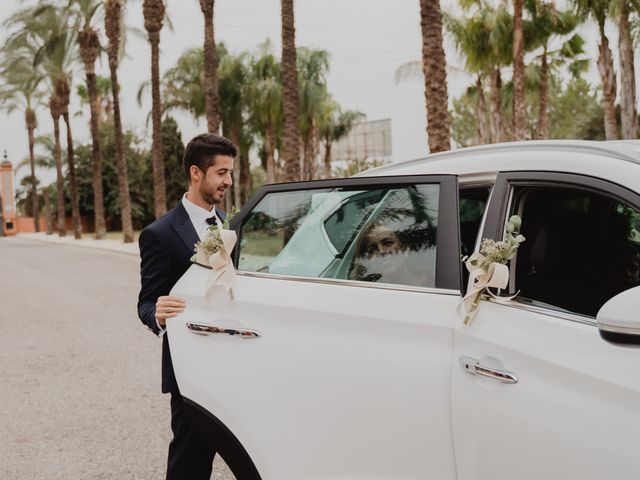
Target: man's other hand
(168, 306)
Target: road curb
(105, 245)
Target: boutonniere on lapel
(488, 269)
(214, 252)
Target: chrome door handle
(201, 329)
(473, 367)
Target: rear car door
(573, 412)
(352, 286)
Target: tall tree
(291, 132)
(549, 24)
(113, 29)
(89, 43)
(334, 124)
(22, 91)
(48, 29)
(598, 10)
(484, 38)
(265, 93)
(154, 11)
(313, 65)
(210, 67)
(519, 109)
(627, 71)
(435, 76)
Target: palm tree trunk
(627, 75)
(269, 147)
(30, 117)
(210, 68)
(89, 50)
(47, 210)
(543, 114)
(519, 112)
(481, 113)
(435, 76)
(75, 205)
(112, 27)
(157, 150)
(245, 178)
(327, 158)
(608, 78)
(57, 153)
(291, 129)
(237, 173)
(98, 195)
(497, 117)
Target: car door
(573, 412)
(344, 368)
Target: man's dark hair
(202, 150)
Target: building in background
(368, 142)
(8, 212)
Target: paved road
(80, 383)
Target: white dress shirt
(198, 217)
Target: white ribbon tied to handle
(496, 276)
(223, 273)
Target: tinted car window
(582, 248)
(385, 235)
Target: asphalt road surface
(80, 391)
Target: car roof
(527, 155)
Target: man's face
(217, 178)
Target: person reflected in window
(382, 257)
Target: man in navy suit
(166, 247)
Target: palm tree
(548, 23)
(291, 133)
(265, 93)
(485, 41)
(312, 87)
(519, 109)
(89, 43)
(153, 11)
(435, 76)
(210, 67)
(22, 91)
(113, 29)
(103, 102)
(598, 9)
(627, 72)
(232, 87)
(47, 29)
(334, 124)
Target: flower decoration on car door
(214, 251)
(488, 269)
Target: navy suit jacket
(166, 247)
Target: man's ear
(194, 173)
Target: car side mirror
(619, 319)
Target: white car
(343, 354)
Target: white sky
(367, 41)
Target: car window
(378, 234)
(581, 248)
(473, 202)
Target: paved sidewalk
(110, 245)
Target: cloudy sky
(367, 40)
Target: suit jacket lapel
(184, 228)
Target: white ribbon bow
(496, 276)
(223, 273)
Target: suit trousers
(190, 457)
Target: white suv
(343, 356)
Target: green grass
(112, 235)
(262, 244)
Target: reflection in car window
(582, 248)
(385, 235)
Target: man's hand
(168, 306)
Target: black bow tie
(212, 220)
